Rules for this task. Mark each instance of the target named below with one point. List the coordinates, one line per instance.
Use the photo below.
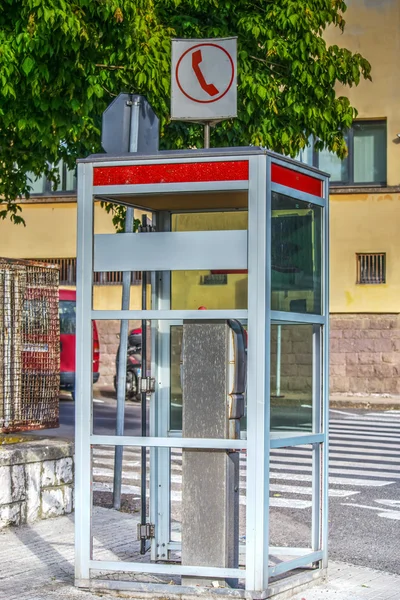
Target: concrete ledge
(36, 480)
(34, 449)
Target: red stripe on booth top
(172, 173)
(296, 180)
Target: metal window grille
(115, 278)
(67, 268)
(371, 268)
(29, 345)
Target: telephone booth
(242, 234)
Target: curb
(365, 402)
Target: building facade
(365, 212)
(365, 226)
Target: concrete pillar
(210, 478)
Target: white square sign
(204, 79)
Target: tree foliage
(63, 61)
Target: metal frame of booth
(160, 181)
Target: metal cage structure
(29, 345)
(284, 250)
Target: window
(67, 268)
(45, 187)
(67, 312)
(366, 161)
(115, 278)
(371, 268)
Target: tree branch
(110, 67)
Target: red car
(67, 312)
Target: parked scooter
(133, 366)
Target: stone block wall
(296, 360)
(365, 354)
(36, 480)
(109, 341)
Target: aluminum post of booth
(242, 234)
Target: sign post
(204, 81)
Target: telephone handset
(209, 88)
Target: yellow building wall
(187, 290)
(364, 223)
(373, 30)
(50, 232)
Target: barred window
(67, 269)
(371, 268)
(68, 273)
(115, 278)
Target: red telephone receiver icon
(209, 88)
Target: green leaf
(76, 105)
(28, 65)
(63, 61)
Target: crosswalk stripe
(176, 496)
(334, 464)
(388, 413)
(334, 470)
(364, 435)
(345, 454)
(307, 491)
(357, 422)
(364, 451)
(332, 480)
(108, 460)
(177, 479)
(355, 441)
(381, 453)
(364, 429)
(382, 456)
(103, 486)
(387, 432)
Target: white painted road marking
(332, 480)
(385, 513)
(354, 443)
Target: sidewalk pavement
(37, 563)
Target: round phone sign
(205, 73)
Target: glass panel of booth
(210, 289)
(176, 395)
(291, 377)
(217, 240)
(296, 255)
(221, 289)
(207, 504)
